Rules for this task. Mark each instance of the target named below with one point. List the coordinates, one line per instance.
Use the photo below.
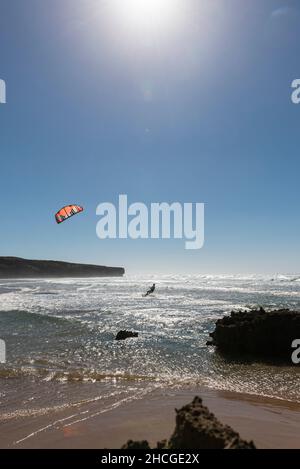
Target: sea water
(61, 352)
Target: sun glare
(148, 14)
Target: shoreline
(269, 422)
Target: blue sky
(196, 108)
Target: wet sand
(270, 423)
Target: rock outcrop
(122, 335)
(136, 445)
(197, 428)
(258, 333)
(15, 267)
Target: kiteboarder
(151, 290)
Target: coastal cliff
(16, 267)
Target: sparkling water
(61, 351)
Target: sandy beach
(270, 423)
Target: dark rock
(15, 267)
(258, 333)
(196, 427)
(136, 445)
(162, 444)
(122, 335)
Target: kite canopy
(67, 212)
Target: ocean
(61, 352)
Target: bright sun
(147, 13)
